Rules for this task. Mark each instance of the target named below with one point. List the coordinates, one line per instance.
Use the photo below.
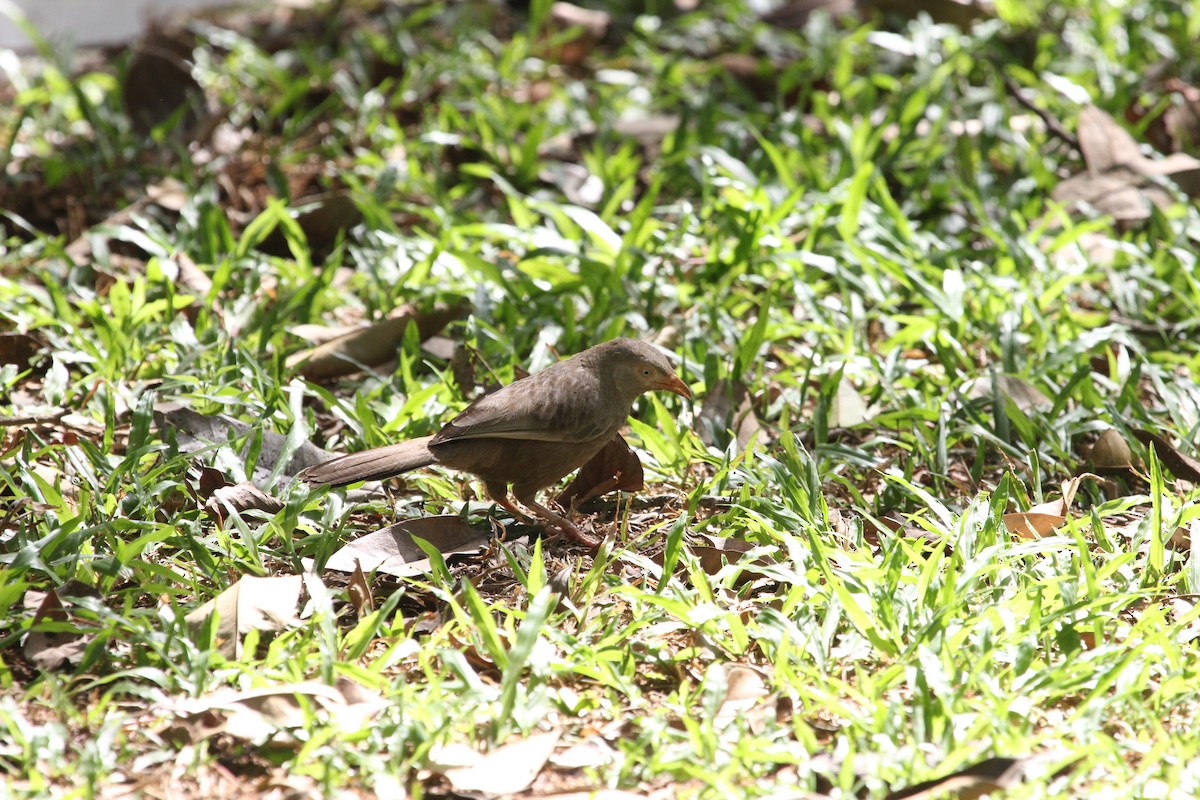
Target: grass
(889, 284)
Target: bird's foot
(570, 530)
(557, 523)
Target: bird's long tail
(372, 465)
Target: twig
(1053, 125)
(33, 419)
(640, 503)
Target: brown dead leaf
(49, 649)
(159, 83)
(1177, 130)
(322, 218)
(165, 194)
(509, 769)
(245, 496)
(1119, 179)
(1105, 144)
(258, 714)
(359, 591)
(1118, 194)
(1181, 539)
(1111, 452)
(728, 407)
(746, 692)
(1042, 519)
(589, 28)
(1023, 394)
(848, 408)
(193, 431)
(252, 603)
(370, 346)
(723, 550)
(615, 468)
(19, 349)
(1031, 525)
(210, 480)
(990, 776)
(1179, 463)
(391, 550)
(181, 269)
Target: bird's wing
(551, 406)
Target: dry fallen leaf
(1179, 463)
(990, 776)
(322, 217)
(193, 431)
(1032, 525)
(848, 408)
(506, 770)
(252, 603)
(1119, 180)
(391, 550)
(370, 346)
(1111, 452)
(1181, 539)
(746, 692)
(1024, 395)
(359, 591)
(615, 468)
(48, 649)
(257, 714)
(245, 496)
(727, 407)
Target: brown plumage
(530, 433)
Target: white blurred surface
(90, 22)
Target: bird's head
(638, 367)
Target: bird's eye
(646, 371)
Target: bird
(530, 433)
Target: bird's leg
(498, 492)
(554, 522)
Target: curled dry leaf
(359, 591)
(322, 217)
(1181, 539)
(746, 695)
(508, 769)
(19, 349)
(49, 649)
(990, 776)
(391, 550)
(370, 346)
(1032, 525)
(848, 408)
(193, 431)
(721, 551)
(1024, 395)
(1120, 180)
(615, 468)
(590, 27)
(257, 714)
(728, 407)
(252, 603)
(245, 496)
(1179, 463)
